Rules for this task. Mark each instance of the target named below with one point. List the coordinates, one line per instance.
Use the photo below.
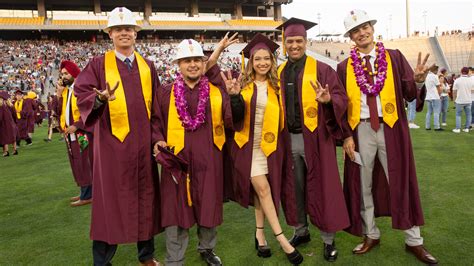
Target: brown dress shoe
(76, 198)
(422, 254)
(366, 246)
(81, 203)
(152, 262)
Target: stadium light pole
(424, 17)
(408, 17)
(319, 22)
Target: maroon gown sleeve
(409, 88)
(156, 134)
(84, 86)
(335, 110)
(345, 127)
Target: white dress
(259, 160)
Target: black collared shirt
(292, 103)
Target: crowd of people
(259, 134)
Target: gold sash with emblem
(75, 111)
(308, 94)
(272, 120)
(387, 95)
(118, 107)
(175, 132)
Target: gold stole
(75, 111)
(175, 132)
(118, 108)
(308, 94)
(387, 95)
(272, 117)
(18, 108)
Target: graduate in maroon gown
(24, 110)
(116, 94)
(31, 100)
(192, 120)
(257, 149)
(7, 124)
(52, 116)
(78, 137)
(382, 180)
(315, 102)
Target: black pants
(86, 192)
(103, 252)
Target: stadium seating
(457, 49)
(22, 21)
(253, 22)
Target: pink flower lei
(361, 72)
(187, 121)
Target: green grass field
(37, 226)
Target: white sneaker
(444, 124)
(413, 125)
(457, 130)
(466, 130)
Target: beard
(68, 82)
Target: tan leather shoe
(76, 198)
(81, 203)
(365, 246)
(152, 262)
(422, 254)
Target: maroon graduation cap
(259, 41)
(294, 27)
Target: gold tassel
(243, 63)
(283, 41)
(188, 190)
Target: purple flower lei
(361, 72)
(187, 121)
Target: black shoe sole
(264, 254)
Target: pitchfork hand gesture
(421, 70)
(322, 94)
(232, 85)
(107, 94)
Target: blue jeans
(444, 108)
(467, 110)
(472, 112)
(434, 107)
(411, 111)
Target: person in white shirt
(433, 90)
(471, 74)
(462, 89)
(444, 96)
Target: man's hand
(322, 94)
(233, 86)
(107, 94)
(59, 89)
(159, 143)
(349, 148)
(421, 70)
(226, 41)
(70, 130)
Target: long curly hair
(272, 75)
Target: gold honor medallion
(311, 112)
(389, 108)
(269, 137)
(219, 130)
